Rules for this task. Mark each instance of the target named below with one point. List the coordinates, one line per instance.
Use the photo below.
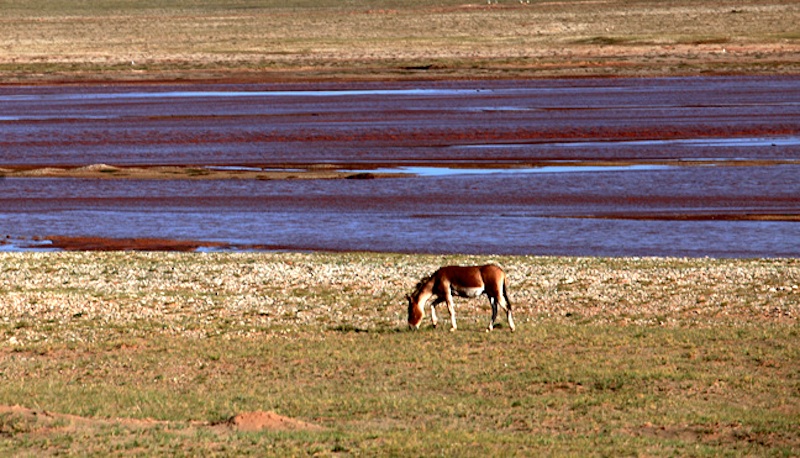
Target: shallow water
(449, 171)
(563, 167)
(578, 213)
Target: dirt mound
(260, 420)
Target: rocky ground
(85, 294)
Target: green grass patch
(589, 390)
(158, 351)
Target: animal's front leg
(434, 317)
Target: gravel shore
(69, 296)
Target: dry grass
(51, 40)
(154, 353)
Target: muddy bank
(204, 172)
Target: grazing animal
(462, 281)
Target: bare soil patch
(18, 419)
(260, 421)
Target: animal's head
(415, 312)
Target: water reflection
(451, 171)
(753, 142)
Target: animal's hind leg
(509, 317)
(493, 303)
(510, 320)
(507, 306)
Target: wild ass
(462, 281)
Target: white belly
(462, 291)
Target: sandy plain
(55, 41)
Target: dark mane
(421, 284)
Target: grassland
(58, 40)
(153, 353)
